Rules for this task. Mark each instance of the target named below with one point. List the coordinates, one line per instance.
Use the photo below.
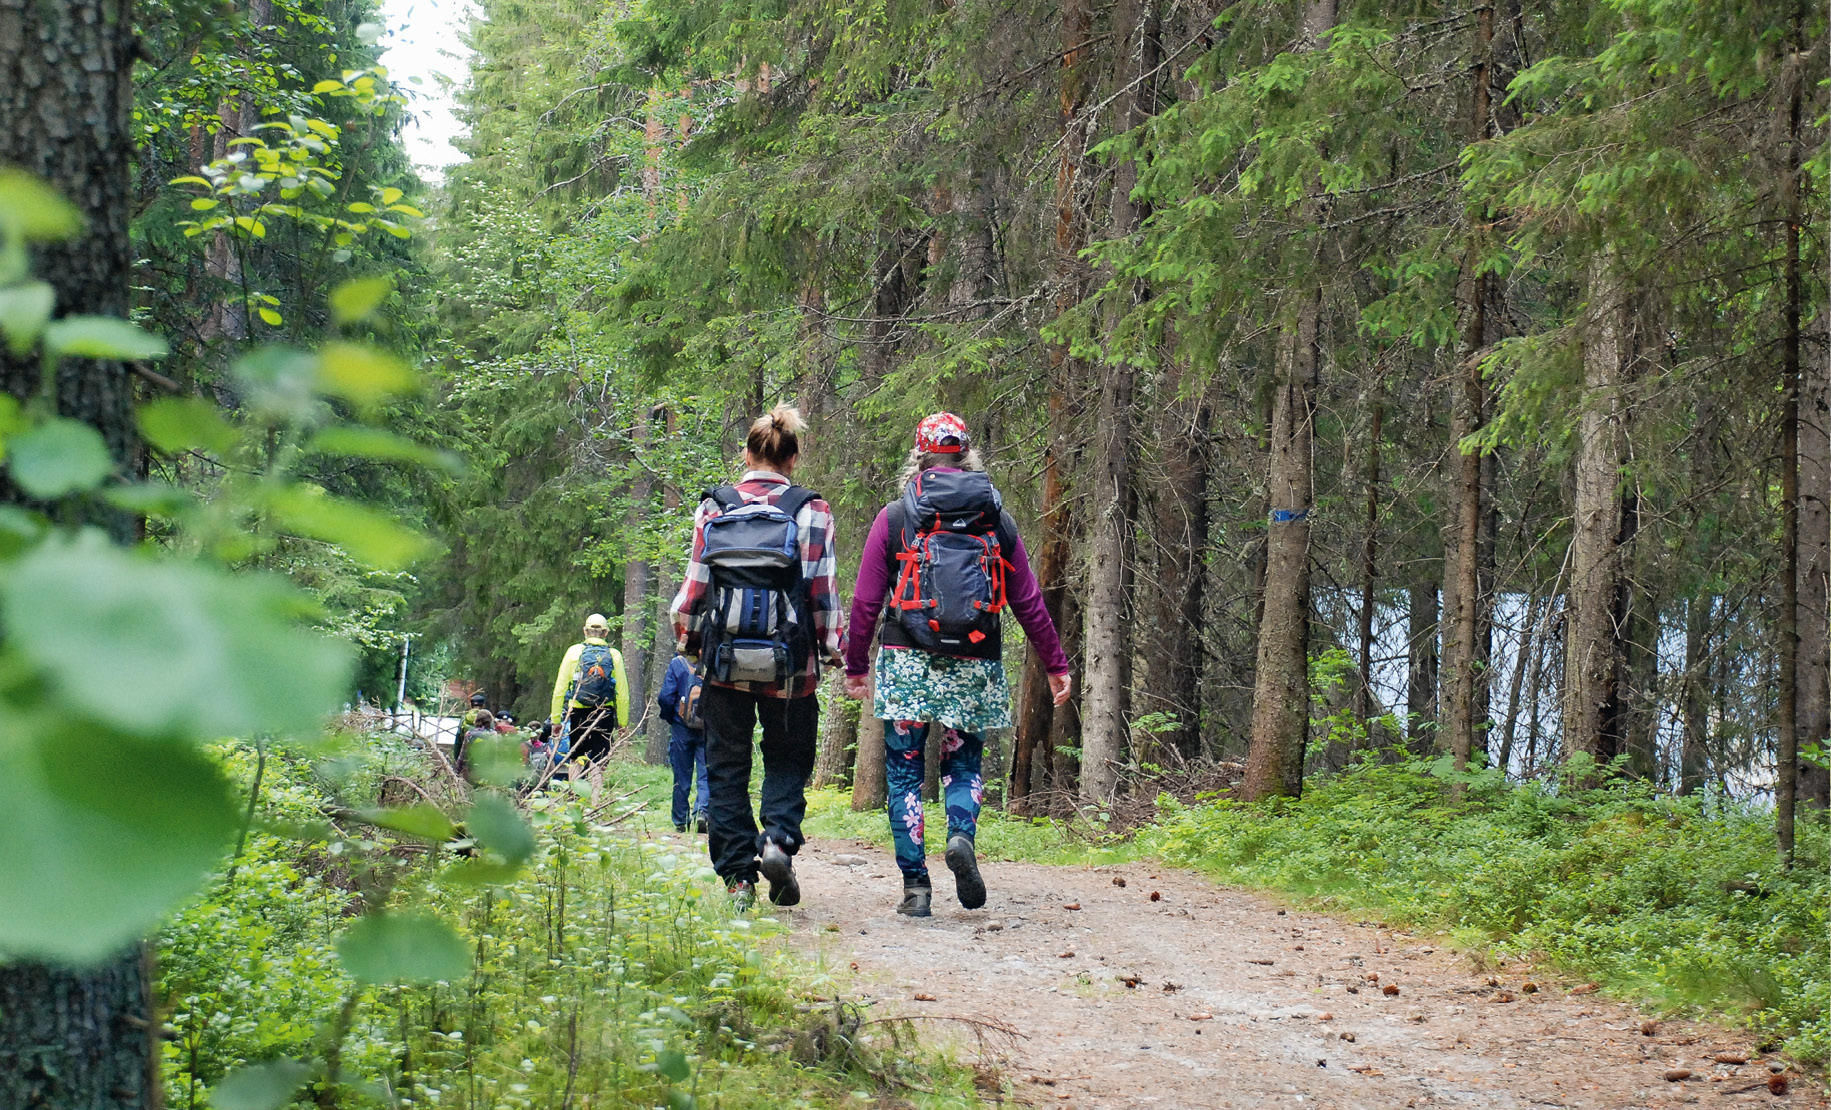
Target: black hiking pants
(789, 728)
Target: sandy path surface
(1240, 1004)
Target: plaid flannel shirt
(814, 523)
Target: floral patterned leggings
(961, 788)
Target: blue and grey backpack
(755, 621)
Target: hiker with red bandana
(940, 566)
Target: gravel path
(1170, 991)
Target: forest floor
(1237, 1001)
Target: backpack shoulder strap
(794, 499)
(725, 496)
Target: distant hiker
(760, 609)
(940, 564)
(482, 727)
(591, 695)
(479, 703)
(505, 724)
(679, 702)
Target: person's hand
(858, 686)
(1060, 686)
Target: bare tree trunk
(636, 575)
(868, 786)
(1526, 633)
(1281, 679)
(1363, 694)
(1036, 715)
(1281, 686)
(1786, 757)
(1182, 542)
(1814, 559)
(1106, 703)
(1694, 752)
(838, 738)
(1592, 634)
(1421, 666)
(1465, 617)
(1640, 671)
(665, 584)
(77, 1039)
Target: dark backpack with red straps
(949, 545)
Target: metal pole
(400, 692)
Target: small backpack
(755, 624)
(594, 681)
(688, 709)
(950, 564)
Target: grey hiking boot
(915, 901)
(965, 865)
(743, 895)
(779, 869)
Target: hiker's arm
(564, 680)
(1025, 598)
(868, 594)
(693, 582)
(822, 570)
(668, 699)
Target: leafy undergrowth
(1675, 903)
(609, 973)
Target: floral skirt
(967, 694)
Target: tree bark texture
(1593, 632)
(76, 1039)
(1281, 680)
(1421, 618)
(1363, 692)
(637, 575)
(1786, 755)
(868, 785)
(1694, 746)
(838, 737)
(1175, 649)
(1281, 689)
(1814, 547)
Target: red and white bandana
(941, 434)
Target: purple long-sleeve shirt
(873, 589)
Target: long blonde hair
(919, 460)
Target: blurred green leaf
(495, 760)
(188, 650)
(175, 424)
(260, 1086)
(420, 819)
(374, 443)
(150, 498)
(356, 300)
(103, 833)
(681, 1100)
(32, 210)
(362, 374)
(671, 1064)
(59, 457)
(102, 337)
(496, 825)
(278, 380)
(24, 309)
(367, 535)
(385, 948)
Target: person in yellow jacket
(591, 694)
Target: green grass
(612, 966)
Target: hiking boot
(784, 889)
(965, 866)
(915, 901)
(680, 826)
(702, 825)
(743, 895)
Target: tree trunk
(838, 738)
(1592, 631)
(1786, 757)
(1182, 542)
(1363, 693)
(1281, 680)
(636, 577)
(868, 787)
(1640, 673)
(1526, 634)
(665, 584)
(1106, 706)
(1694, 751)
(1465, 603)
(1421, 666)
(1036, 715)
(77, 1039)
(1814, 547)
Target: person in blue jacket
(686, 743)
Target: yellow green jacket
(562, 684)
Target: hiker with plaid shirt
(787, 710)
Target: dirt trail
(1283, 994)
